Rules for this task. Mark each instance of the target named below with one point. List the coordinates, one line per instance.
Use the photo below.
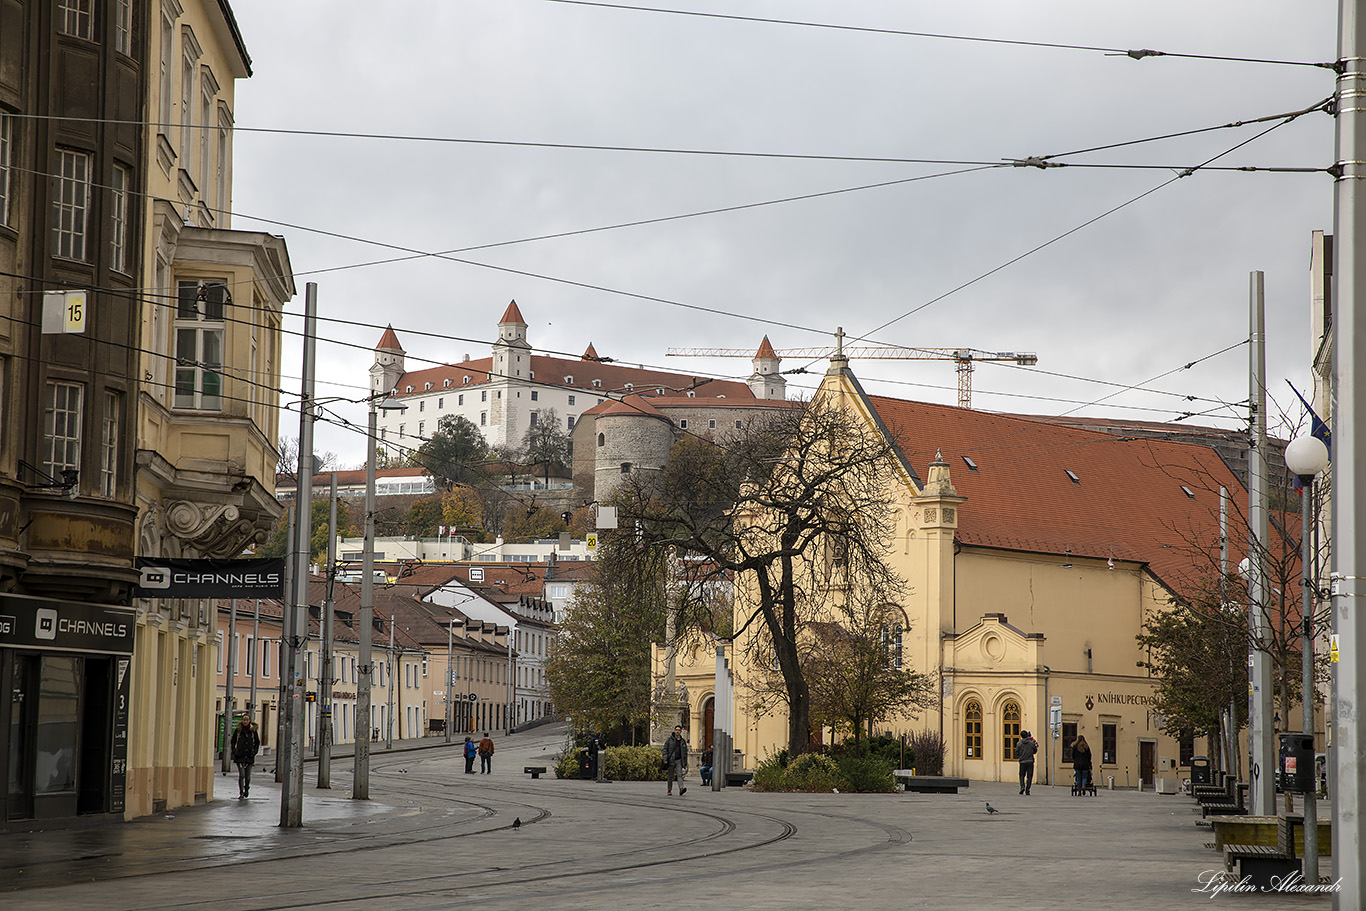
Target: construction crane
(963, 357)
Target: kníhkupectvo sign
(177, 578)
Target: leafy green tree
(454, 454)
(599, 670)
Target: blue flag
(1317, 427)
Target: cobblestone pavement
(432, 837)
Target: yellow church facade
(1032, 553)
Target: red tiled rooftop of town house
(1128, 501)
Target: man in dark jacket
(676, 759)
(245, 744)
(1025, 748)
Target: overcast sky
(1156, 285)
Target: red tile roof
(389, 340)
(590, 353)
(512, 315)
(766, 349)
(1127, 502)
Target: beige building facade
(1032, 553)
(206, 411)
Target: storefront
(65, 665)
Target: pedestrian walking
(676, 760)
(1025, 748)
(245, 744)
(1081, 765)
(471, 751)
(486, 755)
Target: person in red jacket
(486, 755)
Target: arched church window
(972, 729)
(1010, 729)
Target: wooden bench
(535, 771)
(1260, 864)
(1235, 807)
(738, 779)
(928, 784)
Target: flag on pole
(1317, 426)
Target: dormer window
(630, 387)
(465, 381)
(972, 466)
(597, 384)
(447, 384)
(692, 394)
(659, 392)
(569, 381)
(410, 388)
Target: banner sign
(66, 625)
(171, 578)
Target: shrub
(866, 774)
(812, 772)
(928, 748)
(771, 773)
(638, 763)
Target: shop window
(1109, 739)
(1069, 737)
(1187, 750)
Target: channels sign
(66, 625)
(168, 578)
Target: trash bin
(1200, 772)
(1295, 767)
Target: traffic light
(566, 516)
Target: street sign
(64, 312)
(592, 541)
(474, 697)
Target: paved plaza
(432, 837)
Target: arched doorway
(708, 721)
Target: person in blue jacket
(470, 752)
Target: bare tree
(798, 510)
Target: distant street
(434, 838)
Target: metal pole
(286, 624)
(255, 659)
(325, 672)
(229, 667)
(507, 718)
(291, 792)
(360, 785)
(1349, 460)
(389, 694)
(1261, 747)
(1311, 816)
(1230, 757)
(450, 675)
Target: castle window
(483, 395)
(597, 384)
(739, 425)
(683, 424)
(711, 425)
(426, 387)
(410, 388)
(625, 467)
(422, 405)
(602, 439)
(535, 395)
(446, 384)
(569, 381)
(630, 387)
(465, 381)
(440, 404)
(460, 399)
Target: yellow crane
(963, 357)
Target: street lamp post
(1307, 457)
(450, 668)
(360, 785)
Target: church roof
(766, 350)
(590, 353)
(512, 315)
(1032, 485)
(389, 341)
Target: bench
(535, 771)
(928, 784)
(1260, 865)
(1235, 807)
(738, 779)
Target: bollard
(1112, 782)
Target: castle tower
(512, 352)
(388, 368)
(767, 382)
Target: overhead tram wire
(1133, 53)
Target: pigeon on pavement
(516, 823)
(991, 809)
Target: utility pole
(360, 777)
(282, 659)
(1348, 584)
(389, 693)
(291, 791)
(507, 719)
(255, 660)
(325, 673)
(1260, 737)
(229, 666)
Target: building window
(571, 400)
(421, 428)
(6, 158)
(1069, 737)
(1109, 736)
(186, 106)
(465, 381)
(221, 171)
(71, 204)
(109, 446)
(1187, 747)
(891, 644)
(535, 395)
(535, 416)
(123, 26)
(1010, 729)
(164, 93)
(739, 425)
(440, 404)
(483, 395)
(602, 439)
(483, 418)
(402, 430)
(265, 659)
(74, 18)
(570, 421)
(711, 425)
(972, 729)
(422, 404)
(62, 428)
(625, 467)
(460, 399)
(446, 384)
(199, 344)
(683, 424)
(123, 180)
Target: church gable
(993, 645)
